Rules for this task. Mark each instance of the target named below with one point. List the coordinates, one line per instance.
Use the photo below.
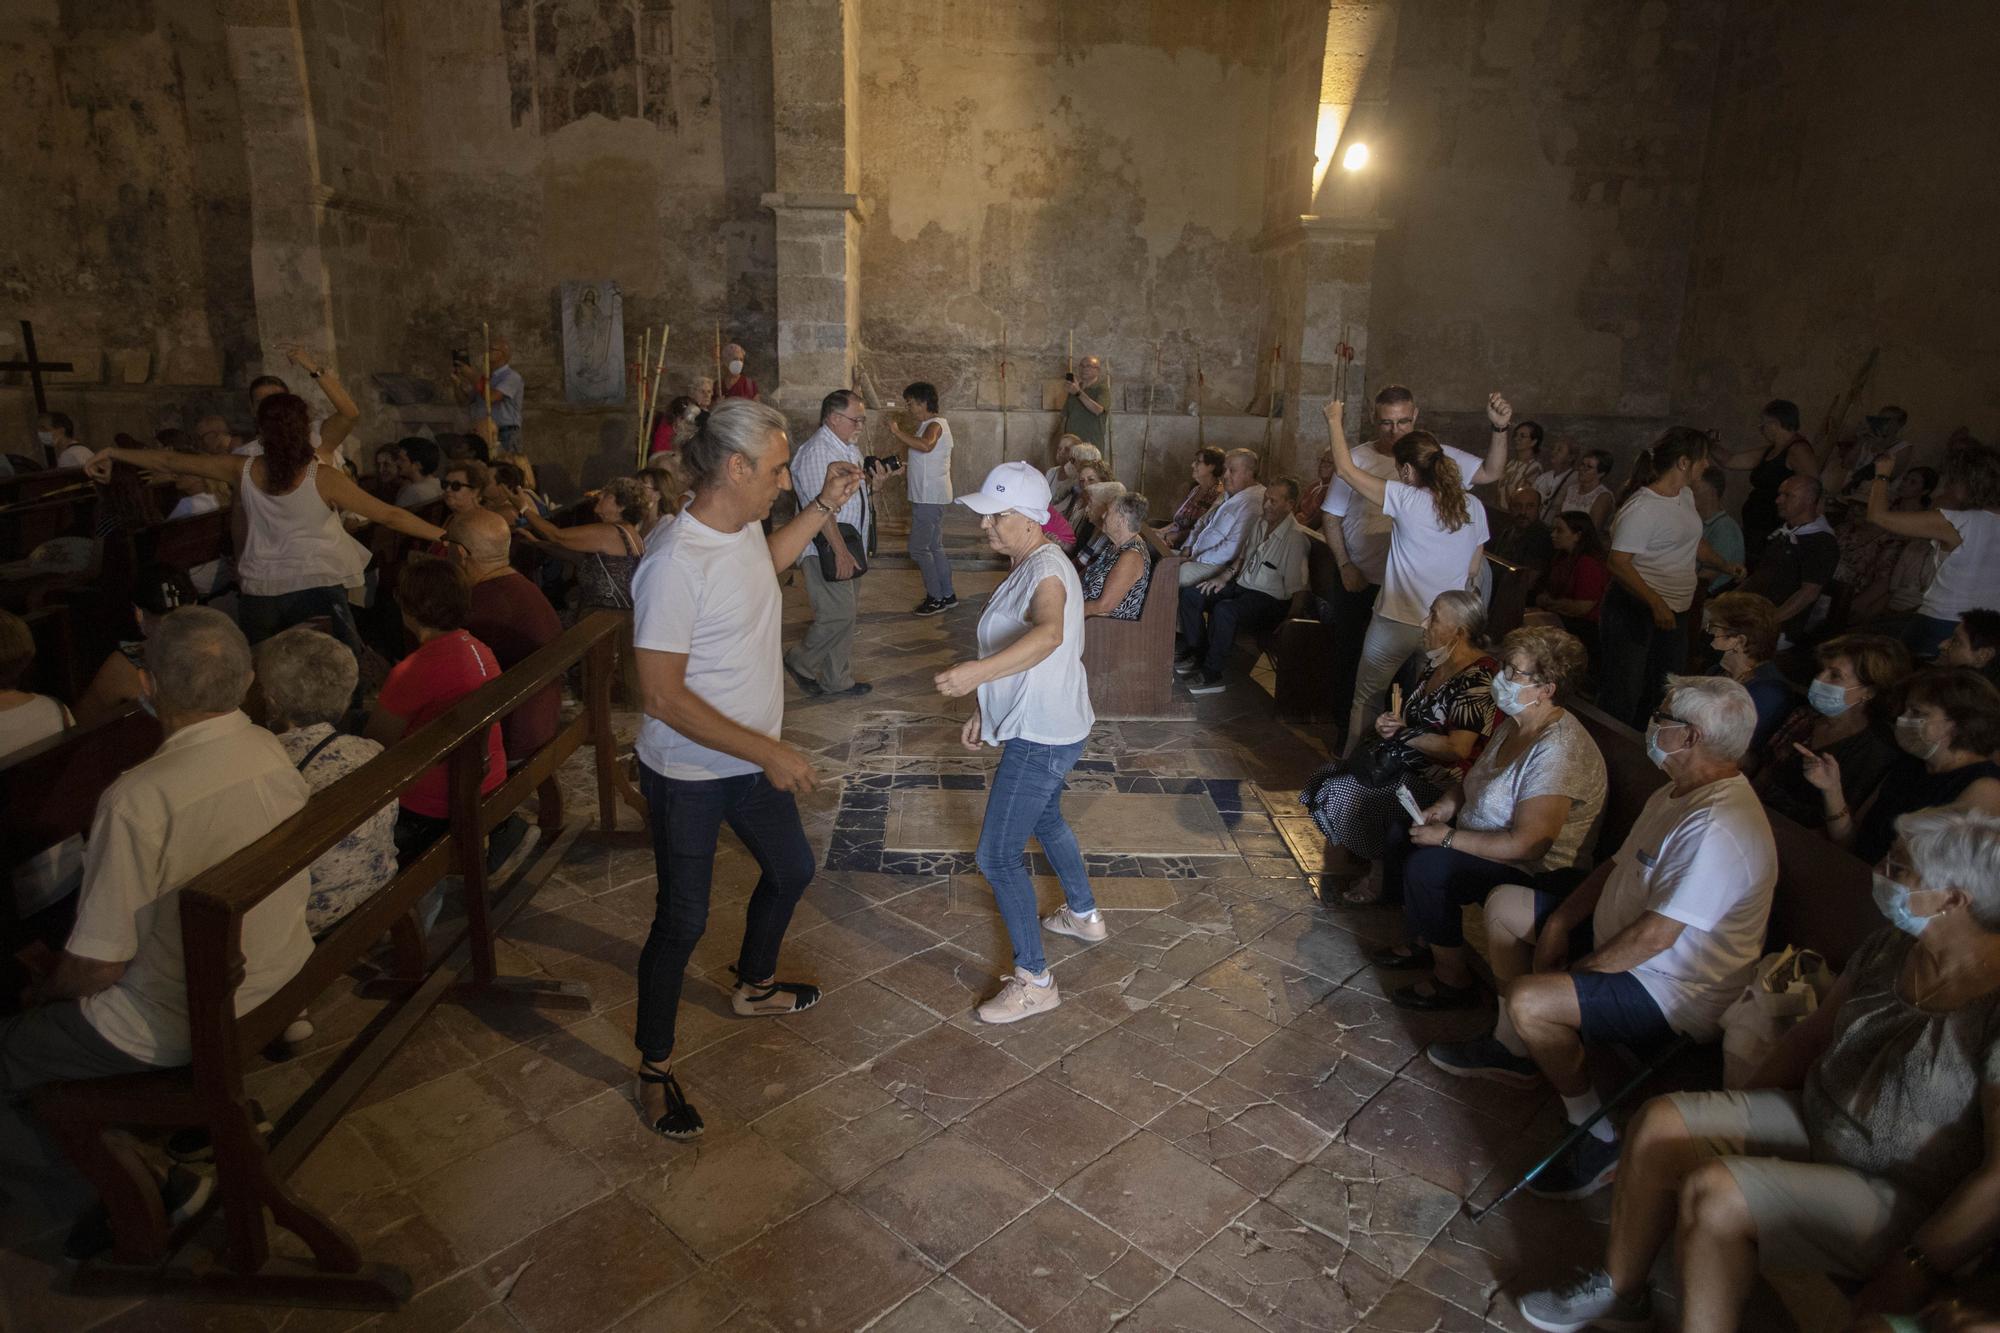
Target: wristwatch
(820, 505)
(1449, 834)
(1914, 1257)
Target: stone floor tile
(859, 944)
(1049, 1259)
(341, 1168)
(831, 1268)
(1245, 1135)
(608, 1130)
(946, 980)
(946, 1073)
(856, 1023)
(1503, 1102)
(1132, 1076)
(1157, 1196)
(589, 1270)
(1284, 1275)
(1445, 1142)
(758, 1070)
(1375, 1208)
(553, 1073)
(1041, 1041)
(1109, 981)
(1410, 1309)
(941, 1307)
(1180, 1307)
(1046, 1130)
(1275, 991)
(487, 1200)
(1200, 1026)
(391, 1225)
(702, 1304)
(1309, 1079)
(1371, 1027)
(946, 1195)
(1307, 940)
(719, 1190)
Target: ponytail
(1437, 473)
(1663, 455)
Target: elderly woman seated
(1743, 628)
(1121, 569)
(1865, 1147)
(1846, 718)
(1520, 816)
(307, 678)
(1426, 746)
(1090, 527)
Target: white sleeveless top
(1049, 703)
(292, 542)
(1969, 575)
(929, 474)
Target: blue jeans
(262, 616)
(927, 549)
(686, 817)
(1635, 656)
(1026, 800)
(509, 437)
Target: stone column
(287, 268)
(814, 60)
(1336, 259)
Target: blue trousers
(927, 549)
(686, 819)
(1026, 800)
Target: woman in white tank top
(1034, 703)
(1966, 530)
(297, 557)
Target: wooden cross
(34, 367)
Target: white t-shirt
(1969, 575)
(1424, 558)
(1707, 860)
(1049, 703)
(1575, 498)
(1562, 761)
(1364, 528)
(76, 455)
(929, 474)
(210, 790)
(714, 596)
(1662, 536)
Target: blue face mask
(1829, 699)
(1894, 900)
(1653, 750)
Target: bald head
(484, 537)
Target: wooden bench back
(49, 791)
(1822, 898)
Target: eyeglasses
(456, 486)
(846, 416)
(1666, 719)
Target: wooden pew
(251, 1173)
(1130, 663)
(1512, 585)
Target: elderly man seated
(1658, 940)
(116, 1001)
(1865, 1146)
(1251, 594)
(1218, 537)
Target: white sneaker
(1062, 921)
(1019, 998)
(299, 1029)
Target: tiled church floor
(1224, 1127)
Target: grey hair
(1464, 609)
(1103, 492)
(1130, 505)
(308, 676)
(1958, 849)
(1250, 454)
(199, 662)
(1084, 452)
(1716, 707)
(733, 426)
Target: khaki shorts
(1827, 1219)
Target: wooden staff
(718, 364)
(1104, 392)
(1200, 413)
(1344, 354)
(653, 398)
(639, 379)
(1271, 402)
(1069, 377)
(1146, 435)
(486, 384)
(1005, 450)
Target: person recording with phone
(1086, 411)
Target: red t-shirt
(512, 617)
(1582, 578)
(426, 683)
(663, 438)
(745, 387)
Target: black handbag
(855, 548)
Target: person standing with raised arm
(706, 630)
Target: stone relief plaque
(593, 342)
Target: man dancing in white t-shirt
(705, 623)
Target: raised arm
(1923, 524)
(590, 538)
(1499, 414)
(923, 441)
(339, 490)
(216, 467)
(815, 516)
(336, 428)
(1364, 483)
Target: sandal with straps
(772, 1001)
(680, 1120)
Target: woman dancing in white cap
(1033, 702)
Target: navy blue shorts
(1614, 1005)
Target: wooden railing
(251, 1173)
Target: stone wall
(1848, 204)
(1539, 163)
(1038, 166)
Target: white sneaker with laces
(1062, 921)
(1019, 998)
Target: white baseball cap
(1015, 486)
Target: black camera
(871, 465)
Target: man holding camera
(1087, 410)
(821, 663)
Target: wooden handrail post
(212, 945)
(468, 775)
(597, 699)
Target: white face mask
(1436, 656)
(1910, 735)
(1654, 751)
(1509, 694)
(736, 367)
(46, 436)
